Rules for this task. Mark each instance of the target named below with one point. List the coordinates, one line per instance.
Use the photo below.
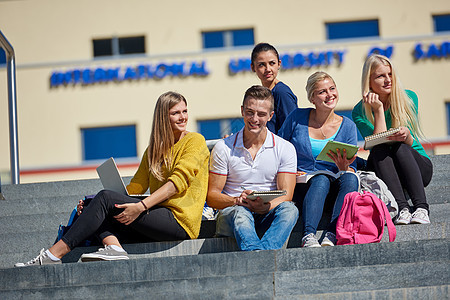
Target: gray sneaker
(310, 241)
(420, 216)
(404, 217)
(107, 253)
(329, 239)
(41, 259)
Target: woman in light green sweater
(175, 169)
(403, 164)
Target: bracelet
(145, 206)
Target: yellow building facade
(63, 88)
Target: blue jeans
(317, 190)
(240, 222)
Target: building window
(352, 29)
(106, 142)
(228, 38)
(2, 56)
(441, 23)
(119, 46)
(218, 128)
(348, 114)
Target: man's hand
(256, 205)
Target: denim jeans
(240, 222)
(318, 189)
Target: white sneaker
(107, 253)
(208, 213)
(41, 259)
(420, 216)
(310, 241)
(329, 240)
(404, 217)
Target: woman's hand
(80, 207)
(130, 213)
(403, 135)
(341, 160)
(373, 100)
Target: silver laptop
(111, 180)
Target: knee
(288, 210)
(104, 196)
(350, 180)
(236, 215)
(241, 212)
(320, 181)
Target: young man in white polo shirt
(254, 159)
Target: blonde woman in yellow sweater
(175, 169)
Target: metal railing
(12, 108)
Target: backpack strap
(384, 211)
(390, 225)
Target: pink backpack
(362, 220)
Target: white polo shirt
(230, 158)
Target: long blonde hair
(162, 138)
(403, 112)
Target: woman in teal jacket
(402, 165)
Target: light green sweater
(366, 128)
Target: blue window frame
(2, 56)
(217, 128)
(441, 23)
(352, 29)
(213, 39)
(447, 110)
(243, 37)
(228, 38)
(119, 46)
(105, 142)
(348, 114)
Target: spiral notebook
(266, 196)
(379, 138)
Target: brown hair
(259, 92)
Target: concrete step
(427, 292)
(438, 194)
(51, 189)
(32, 223)
(362, 279)
(259, 274)
(39, 206)
(19, 249)
(39, 231)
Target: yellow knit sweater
(189, 174)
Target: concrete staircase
(415, 266)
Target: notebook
(379, 138)
(111, 180)
(333, 145)
(266, 196)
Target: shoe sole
(419, 221)
(325, 244)
(104, 258)
(402, 222)
(312, 246)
